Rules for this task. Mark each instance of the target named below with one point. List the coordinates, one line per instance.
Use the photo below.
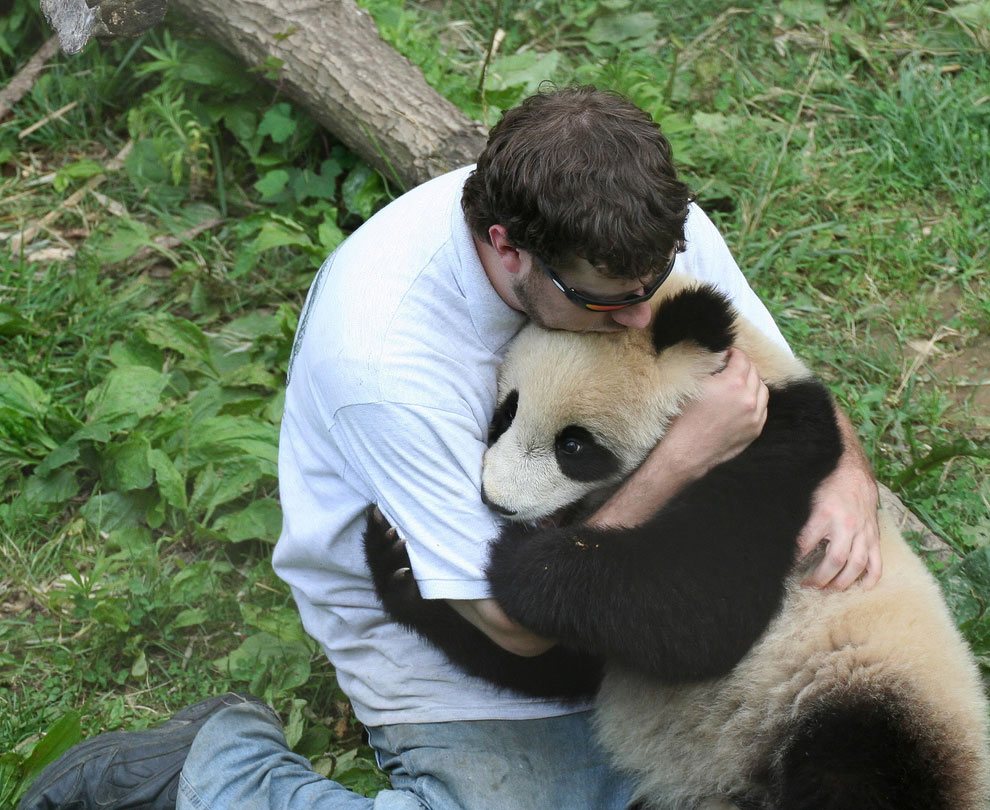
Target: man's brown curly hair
(581, 172)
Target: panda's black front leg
(558, 673)
(684, 595)
(391, 571)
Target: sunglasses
(596, 304)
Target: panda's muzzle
(494, 506)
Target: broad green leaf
(136, 351)
(615, 28)
(307, 184)
(226, 437)
(260, 520)
(60, 737)
(69, 451)
(139, 669)
(274, 234)
(329, 235)
(252, 326)
(57, 488)
(197, 580)
(171, 483)
(242, 120)
(281, 622)
(264, 660)
(966, 586)
(278, 123)
(313, 742)
(218, 484)
(178, 334)
(59, 457)
(126, 465)
(112, 613)
(272, 183)
(253, 375)
(206, 64)
(191, 617)
(125, 396)
(357, 773)
(523, 70)
(23, 395)
(134, 542)
(294, 728)
(80, 170)
(113, 510)
(362, 190)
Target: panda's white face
(577, 413)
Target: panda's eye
(571, 446)
(583, 456)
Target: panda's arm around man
(480, 638)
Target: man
(571, 216)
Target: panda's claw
(401, 575)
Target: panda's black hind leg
(863, 751)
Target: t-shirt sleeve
(422, 467)
(708, 259)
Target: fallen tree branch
(18, 87)
(334, 64)
(330, 60)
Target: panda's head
(578, 412)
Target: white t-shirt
(391, 389)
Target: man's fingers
(853, 569)
(827, 570)
(874, 568)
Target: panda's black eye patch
(503, 416)
(581, 457)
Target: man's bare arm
(488, 617)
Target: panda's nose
(492, 505)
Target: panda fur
(726, 683)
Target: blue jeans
(240, 761)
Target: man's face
(550, 308)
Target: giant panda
(720, 682)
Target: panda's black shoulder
(701, 314)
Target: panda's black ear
(702, 314)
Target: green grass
(844, 151)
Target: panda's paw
(386, 551)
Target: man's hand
(844, 515)
(729, 414)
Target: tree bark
(337, 67)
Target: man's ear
(507, 252)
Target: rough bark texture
(338, 68)
(334, 65)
